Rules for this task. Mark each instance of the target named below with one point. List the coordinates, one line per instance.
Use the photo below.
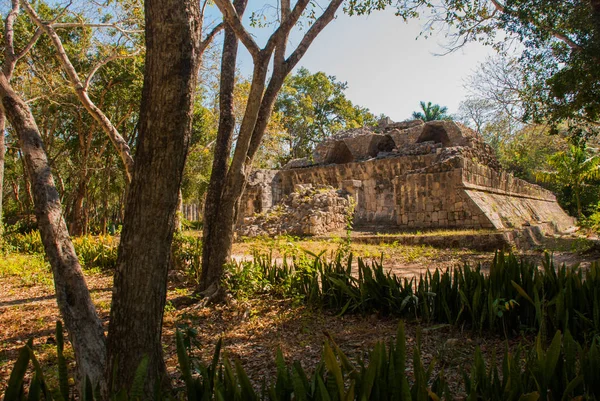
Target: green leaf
(530, 396)
(552, 356)
(15, 382)
(522, 292)
(137, 387)
(333, 367)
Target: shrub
(562, 370)
(93, 251)
(29, 242)
(187, 255)
(97, 251)
(513, 296)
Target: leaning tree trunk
(2, 153)
(74, 301)
(172, 47)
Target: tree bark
(74, 301)
(2, 153)
(212, 231)
(77, 227)
(595, 5)
(222, 206)
(172, 59)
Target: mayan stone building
(413, 175)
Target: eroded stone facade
(413, 175)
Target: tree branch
(281, 45)
(60, 25)
(232, 19)
(312, 33)
(29, 45)
(102, 63)
(288, 21)
(81, 90)
(10, 30)
(562, 37)
(211, 35)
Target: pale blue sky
(387, 69)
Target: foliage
(528, 151)
(314, 107)
(87, 170)
(40, 390)
(561, 42)
(574, 168)
(514, 296)
(431, 112)
(97, 251)
(494, 107)
(28, 243)
(187, 255)
(533, 152)
(28, 269)
(561, 370)
(93, 251)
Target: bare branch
(103, 62)
(10, 29)
(281, 45)
(312, 33)
(60, 25)
(211, 35)
(120, 144)
(62, 12)
(232, 18)
(29, 45)
(287, 23)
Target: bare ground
(252, 330)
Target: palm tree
(431, 112)
(573, 168)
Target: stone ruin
(407, 176)
(306, 211)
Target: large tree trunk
(172, 57)
(74, 301)
(216, 236)
(595, 5)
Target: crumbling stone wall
(413, 175)
(370, 183)
(260, 194)
(461, 193)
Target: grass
(437, 233)
(287, 246)
(253, 327)
(29, 269)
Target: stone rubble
(307, 211)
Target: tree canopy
(431, 112)
(313, 107)
(560, 40)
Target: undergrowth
(514, 296)
(562, 370)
